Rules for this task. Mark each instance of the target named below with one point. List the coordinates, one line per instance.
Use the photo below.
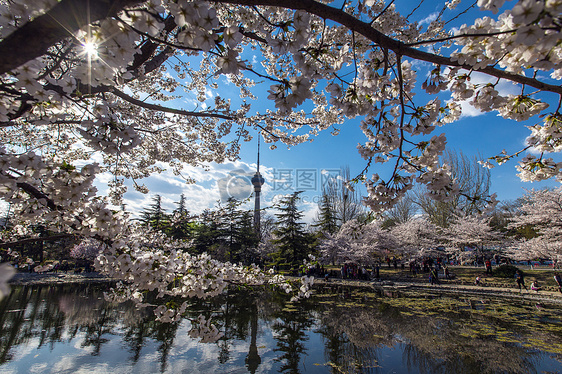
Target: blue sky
(474, 134)
(484, 135)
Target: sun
(90, 49)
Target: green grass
(467, 275)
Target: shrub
(507, 271)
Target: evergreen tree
(293, 241)
(155, 216)
(206, 233)
(327, 218)
(238, 235)
(247, 238)
(227, 234)
(181, 209)
(182, 225)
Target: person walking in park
(488, 264)
(558, 281)
(433, 276)
(520, 280)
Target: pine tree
(181, 209)
(155, 216)
(247, 238)
(240, 239)
(182, 225)
(293, 241)
(327, 219)
(206, 232)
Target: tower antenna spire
(257, 182)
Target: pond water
(72, 329)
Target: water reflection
(71, 329)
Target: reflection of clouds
(37, 368)
(189, 356)
(67, 364)
(30, 348)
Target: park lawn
(467, 276)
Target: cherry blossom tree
(473, 183)
(416, 237)
(88, 249)
(332, 248)
(358, 242)
(85, 80)
(472, 231)
(541, 211)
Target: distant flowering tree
(416, 237)
(87, 249)
(95, 79)
(540, 211)
(332, 248)
(471, 231)
(358, 242)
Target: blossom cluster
(92, 89)
(104, 89)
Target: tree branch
(161, 108)
(33, 39)
(365, 29)
(33, 240)
(35, 193)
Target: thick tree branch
(35, 193)
(33, 39)
(161, 108)
(39, 239)
(386, 42)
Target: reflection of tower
(257, 181)
(253, 359)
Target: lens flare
(91, 49)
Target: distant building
(257, 181)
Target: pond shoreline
(448, 288)
(22, 278)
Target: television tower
(257, 181)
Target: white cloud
(504, 88)
(310, 211)
(427, 20)
(204, 194)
